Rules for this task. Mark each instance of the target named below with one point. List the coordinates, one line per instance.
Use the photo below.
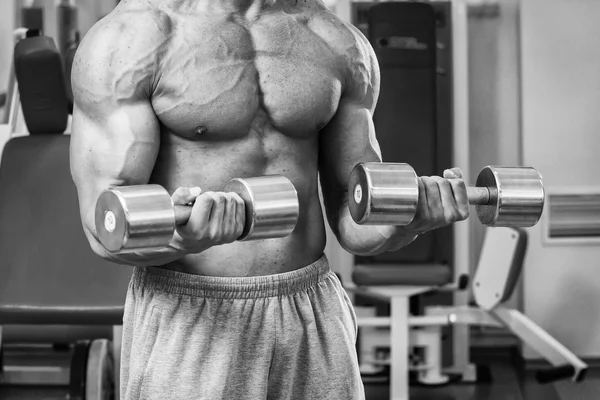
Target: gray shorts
(285, 336)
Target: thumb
(185, 195)
(453, 173)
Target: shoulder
(123, 47)
(354, 50)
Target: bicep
(347, 140)
(115, 133)
(116, 147)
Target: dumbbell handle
(478, 195)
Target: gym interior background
(518, 83)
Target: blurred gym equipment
(388, 194)
(55, 278)
(32, 16)
(12, 108)
(61, 306)
(66, 22)
(498, 270)
(41, 84)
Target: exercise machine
(61, 306)
(498, 271)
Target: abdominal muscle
(209, 163)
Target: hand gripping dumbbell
(388, 194)
(134, 218)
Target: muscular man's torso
(244, 93)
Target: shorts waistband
(254, 287)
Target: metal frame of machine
(84, 367)
(497, 273)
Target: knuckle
(230, 233)
(458, 184)
(201, 202)
(220, 198)
(239, 228)
(238, 199)
(437, 213)
(438, 217)
(446, 183)
(240, 215)
(224, 237)
(445, 187)
(229, 218)
(431, 184)
(195, 230)
(451, 215)
(464, 214)
(204, 203)
(207, 197)
(215, 234)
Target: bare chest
(218, 80)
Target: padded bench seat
(48, 272)
(44, 334)
(402, 275)
(60, 315)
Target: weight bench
(397, 284)
(498, 270)
(53, 289)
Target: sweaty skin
(194, 93)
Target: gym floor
(508, 382)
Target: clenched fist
(442, 201)
(216, 218)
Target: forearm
(366, 240)
(145, 258)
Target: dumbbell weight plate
(100, 374)
(517, 196)
(383, 194)
(78, 370)
(151, 224)
(272, 207)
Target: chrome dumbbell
(388, 193)
(133, 218)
